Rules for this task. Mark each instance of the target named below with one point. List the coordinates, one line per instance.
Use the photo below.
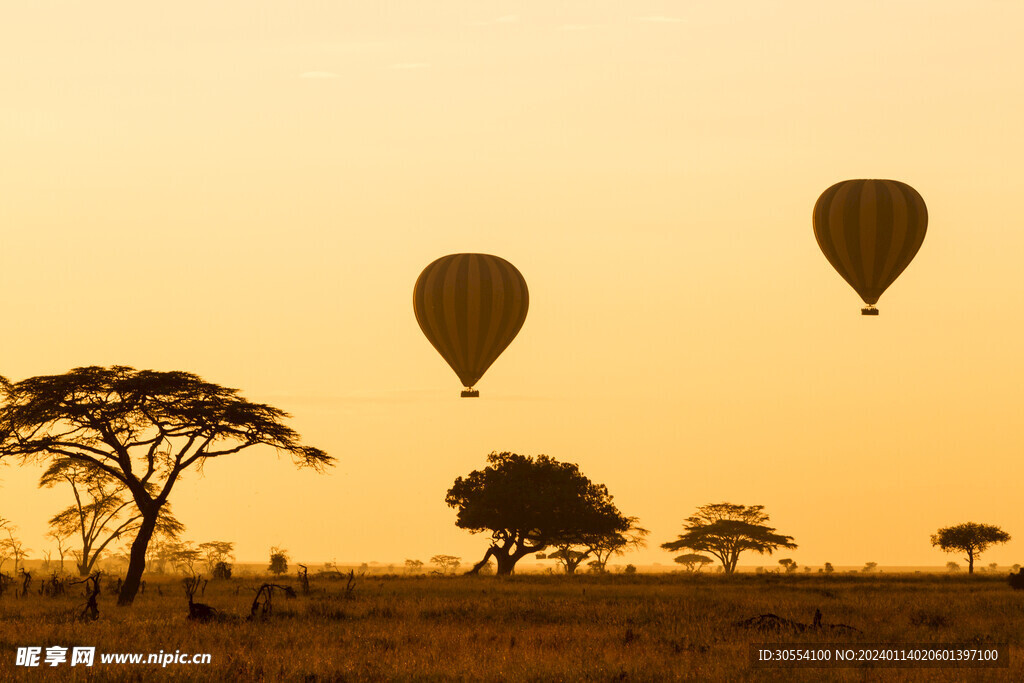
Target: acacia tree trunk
(137, 563)
(506, 558)
(506, 563)
(970, 562)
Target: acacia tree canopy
(726, 530)
(142, 428)
(970, 538)
(528, 504)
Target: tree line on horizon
(120, 438)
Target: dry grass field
(542, 628)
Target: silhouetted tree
(215, 554)
(278, 561)
(869, 567)
(617, 543)
(566, 558)
(62, 549)
(531, 503)
(970, 538)
(185, 556)
(788, 564)
(12, 546)
(413, 566)
(446, 564)
(160, 552)
(726, 530)
(143, 429)
(693, 563)
(100, 514)
(5, 552)
(828, 568)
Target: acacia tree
(216, 555)
(184, 557)
(143, 429)
(528, 504)
(100, 514)
(726, 530)
(12, 546)
(617, 543)
(62, 549)
(446, 564)
(970, 538)
(601, 548)
(693, 562)
(565, 557)
(160, 552)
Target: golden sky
(248, 191)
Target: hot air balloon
(870, 230)
(470, 307)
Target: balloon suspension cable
(870, 310)
(470, 392)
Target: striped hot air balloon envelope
(470, 307)
(870, 230)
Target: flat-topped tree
(529, 504)
(725, 530)
(970, 538)
(142, 428)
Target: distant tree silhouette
(160, 552)
(566, 558)
(570, 557)
(278, 561)
(829, 568)
(62, 549)
(970, 538)
(12, 546)
(215, 554)
(528, 504)
(101, 513)
(185, 556)
(788, 564)
(726, 530)
(413, 566)
(869, 567)
(446, 564)
(693, 562)
(142, 428)
(617, 543)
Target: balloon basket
(870, 310)
(470, 393)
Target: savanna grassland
(529, 627)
